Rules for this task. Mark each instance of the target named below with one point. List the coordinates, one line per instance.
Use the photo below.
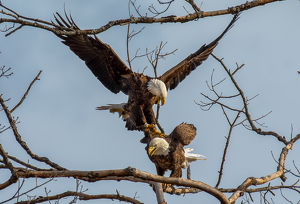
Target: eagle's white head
(159, 89)
(158, 146)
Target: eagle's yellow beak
(151, 150)
(163, 100)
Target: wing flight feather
(99, 57)
(175, 75)
(184, 133)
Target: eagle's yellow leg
(149, 126)
(156, 132)
(166, 185)
(153, 130)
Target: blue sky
(58, 119)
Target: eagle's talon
(148, 127)
(156, 132)
(166, 185)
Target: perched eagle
(168, 154)
(143, 91)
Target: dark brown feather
(182, 135)
(99, 57)
(110, 70)
(175, 75)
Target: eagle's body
(140, 102)
(168, 153)
(111, 71)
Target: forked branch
(245, 102)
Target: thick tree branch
(13, 179)
(159, 193)
(130, 174)
(16, 18)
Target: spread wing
(184, 133)
(175, 75)
(99, 57)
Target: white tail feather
(113, 108)
(190, 157)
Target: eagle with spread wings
(143, 91)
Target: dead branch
(12, 123)
(14, 17)
(156, 120)
(293, 187)
(179, 191)
(26, 164)
(232, 125)
(129, 173)
(159, 193)
(211, 86)
(18, 195)
(130, 35)
(6, 161)
(83, 196)
(195, 7)
(26, 93)
(245, 102)
(251, 180)
(155, 55)
(154, 11)
(258, 181)
(13, 179)
(4, 72)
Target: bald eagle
(143, 91)
(168, 154)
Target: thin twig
(82, 196)
(247, 114)
(27, 91)
(226, 145)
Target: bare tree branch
(130, 174)
(258, 181)
(226, 145)
(26, 164)
(27, 91)
(25, 21)
(153, 10)
(247, 114)
(83, 196)
(17, 194)
(22, 143)
(13, 179)
(4, 72)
